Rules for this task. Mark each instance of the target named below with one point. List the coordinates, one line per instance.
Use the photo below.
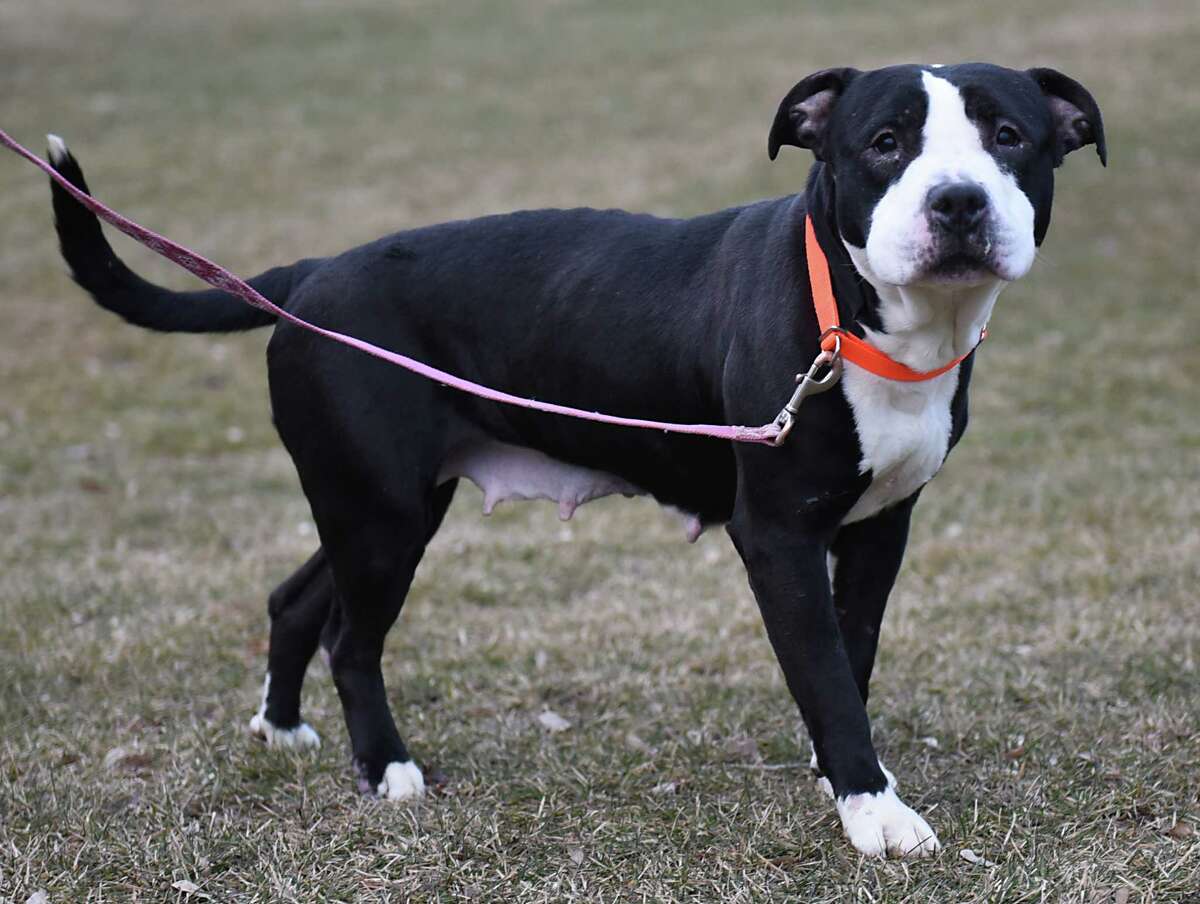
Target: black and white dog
(931, 191)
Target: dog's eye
(884, 143)
(1008, 137)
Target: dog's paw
(881, 824)
(301, 736)
(401, 781)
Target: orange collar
(836, 339)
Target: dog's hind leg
(298, 608)
(368, 443)
(374, 543)
(375, 567)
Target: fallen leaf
(971, 857)
(38, 897)
(576, 855)
(128, 760)
(1181, 830)
(553, 722)
(664, 788)
(1121, 896)
(188, 888)
(745, 748)
(137, 762)
(436, 780)
(633, 742)
(1016, 752)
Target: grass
(1037, 688)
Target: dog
(930, 191)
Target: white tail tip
(58, 149)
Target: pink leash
(222, 279)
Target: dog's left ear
(1076, 116)
(803, 117)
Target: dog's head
(943, 175)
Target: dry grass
(1044, 632)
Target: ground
(1036, 693)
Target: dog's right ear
(803, 117)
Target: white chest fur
(904, 432)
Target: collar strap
(836, 339)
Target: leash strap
(221, 278)
(834, 337)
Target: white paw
(882, 824)
(401, 781)
(301, 736)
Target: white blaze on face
(900, 243)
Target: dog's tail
(115, 287)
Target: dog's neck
(923, 327)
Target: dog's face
(944, 174)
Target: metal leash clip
(808, 385)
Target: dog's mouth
(959, 268)
(964, 261)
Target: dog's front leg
(788, 573)
(864, 561)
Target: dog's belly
(503, 472)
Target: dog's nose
(957, 206)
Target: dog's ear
(803, 117)
(1076, 116)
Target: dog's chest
(903, 431)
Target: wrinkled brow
(903, 109)
(985, 108)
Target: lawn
(1038, 689)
